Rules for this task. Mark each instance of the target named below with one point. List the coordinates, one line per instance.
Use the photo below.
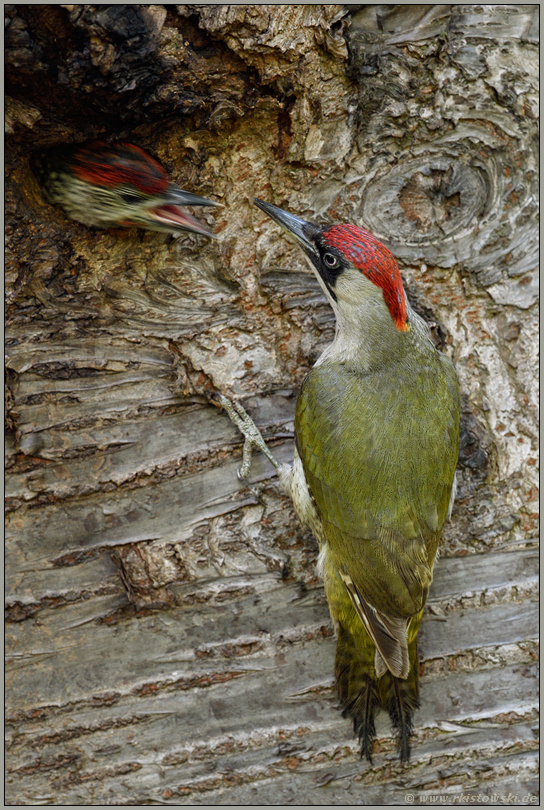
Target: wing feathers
(389, 634)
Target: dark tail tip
(363, 711)
(362, 694)
(357, 691)
(402, 702)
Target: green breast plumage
(379, 452)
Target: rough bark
(168, 639)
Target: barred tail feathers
(357, 690)
(401, 701)
(362, 692)
(370, 647)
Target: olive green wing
(380, 465)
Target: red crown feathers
(377, 263)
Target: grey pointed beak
(302, 231)
(178, 196)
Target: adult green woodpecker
(112, 185)
(373, 476)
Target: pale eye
(330, 260)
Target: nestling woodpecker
(110, 185)
(373, 476)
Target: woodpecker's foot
(251, 434)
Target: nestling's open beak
(304, 232)
(172, 216)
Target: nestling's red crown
(105, 164)
(377, 263)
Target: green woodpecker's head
(355, 270)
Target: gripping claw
(251, 433)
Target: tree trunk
(169, 641)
